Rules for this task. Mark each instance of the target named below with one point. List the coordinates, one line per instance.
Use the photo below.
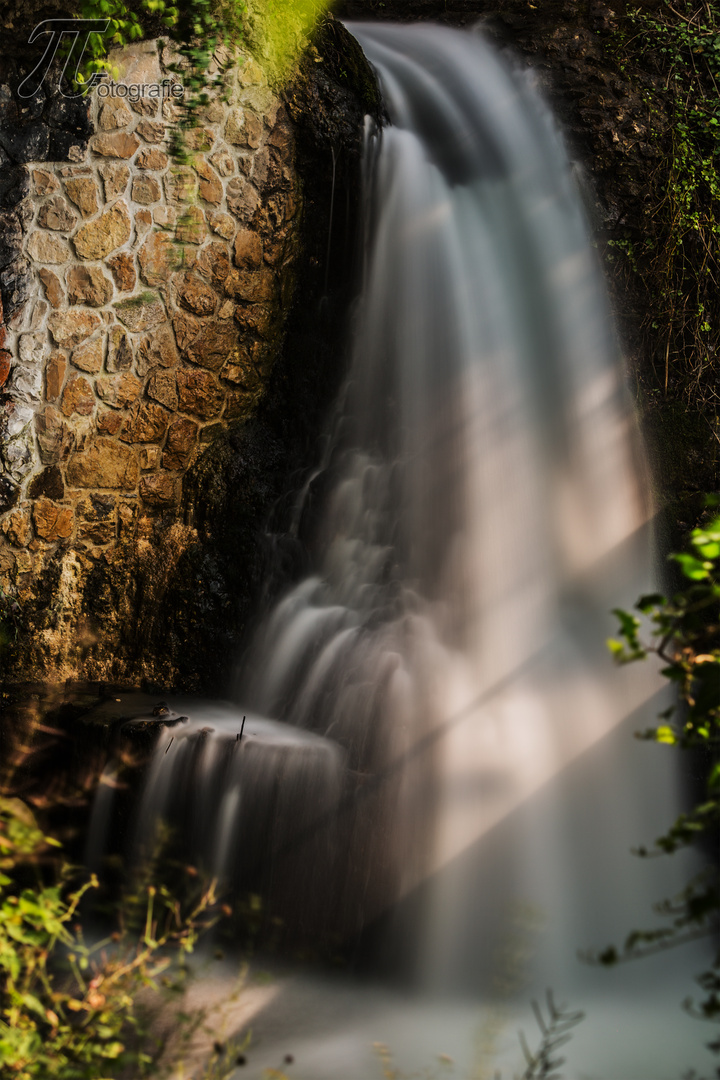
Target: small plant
(684, 632)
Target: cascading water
(482, 509)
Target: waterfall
(433, 736)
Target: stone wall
(146, 315)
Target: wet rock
(25, 142)
(199, 394)
(48, 484)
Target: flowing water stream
(437, 745)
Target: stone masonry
(154, 316)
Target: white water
(473, 782)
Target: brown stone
(149, 457)
(156, 350)
(191, 227)
(163, 388)
(248, 250)
(158, 258)
(199, 139)
(160, 489)
(52, 522)
(209, 186)
(88, 285)
(89, 356)
(106, 464)
(222, 224)
(181, 185)
(223, 162)
(194, 295)
(181, 439)
(145, 190)
(111, 230)
(147, 424)
(115, 179)
(16, 527)
(244, 128)
(69, 328)
(78, 397)
(45, 248)
(152, 158)
(55, 440)
(120, 144)
(143, 221)
(199, 393)
(120, 353)
(45, 183)
(47, 484)
(240, 405)
(254, 286)
(115, 114)
(55, 375)
(96, 518)
(165, 216)
(140, 312)
(5, 365)
(109, 422)
(53, 288)
(145, 106)
(122, 269)
(214, 262)
(186, 328)
(214, 345)
(56, 214)
(84, 193)
(152, 131)
(242, 198)
(119, 392)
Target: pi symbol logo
(77, 29)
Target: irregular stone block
(194, 295)
(120, 144)
(248, 250)
(160, 489)
(111, 230)
(53, 288)
(26, 383)
(17, 527)
(214, 262)
(119, 392)
(55, 375)
(69, 328)
(222, 224)
(44, 182)
(153, 131)
(209, 185)
(254, 286)
(149, 457)
(88, 285)
(145, 190)
(84, 193)
(89, 356)
(147, 424)
(55, 440)
(180, 442)
(157, 350)
(181, 185)
(242, 198)
(119, 353)
(9, 494)
(78, 397)
(32, 349)
(96, 518)
(152, 158)
(158, 257)
(191, 228)
(109, 422)
(106, 464)
(140, 312)
(56, 214)
(114, 113)
(48, 484)
(244, 128)
(223, 161)
(52, 522)
(122, 269)
(215, 344)
(199, 394)
(45, 248)
(186, 329)
(115, 179)
(162, 387)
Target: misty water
(437, 760)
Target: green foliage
(684, 632)
(677, 265)
(67, 1008)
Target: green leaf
(692, 568)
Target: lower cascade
(434, 746)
